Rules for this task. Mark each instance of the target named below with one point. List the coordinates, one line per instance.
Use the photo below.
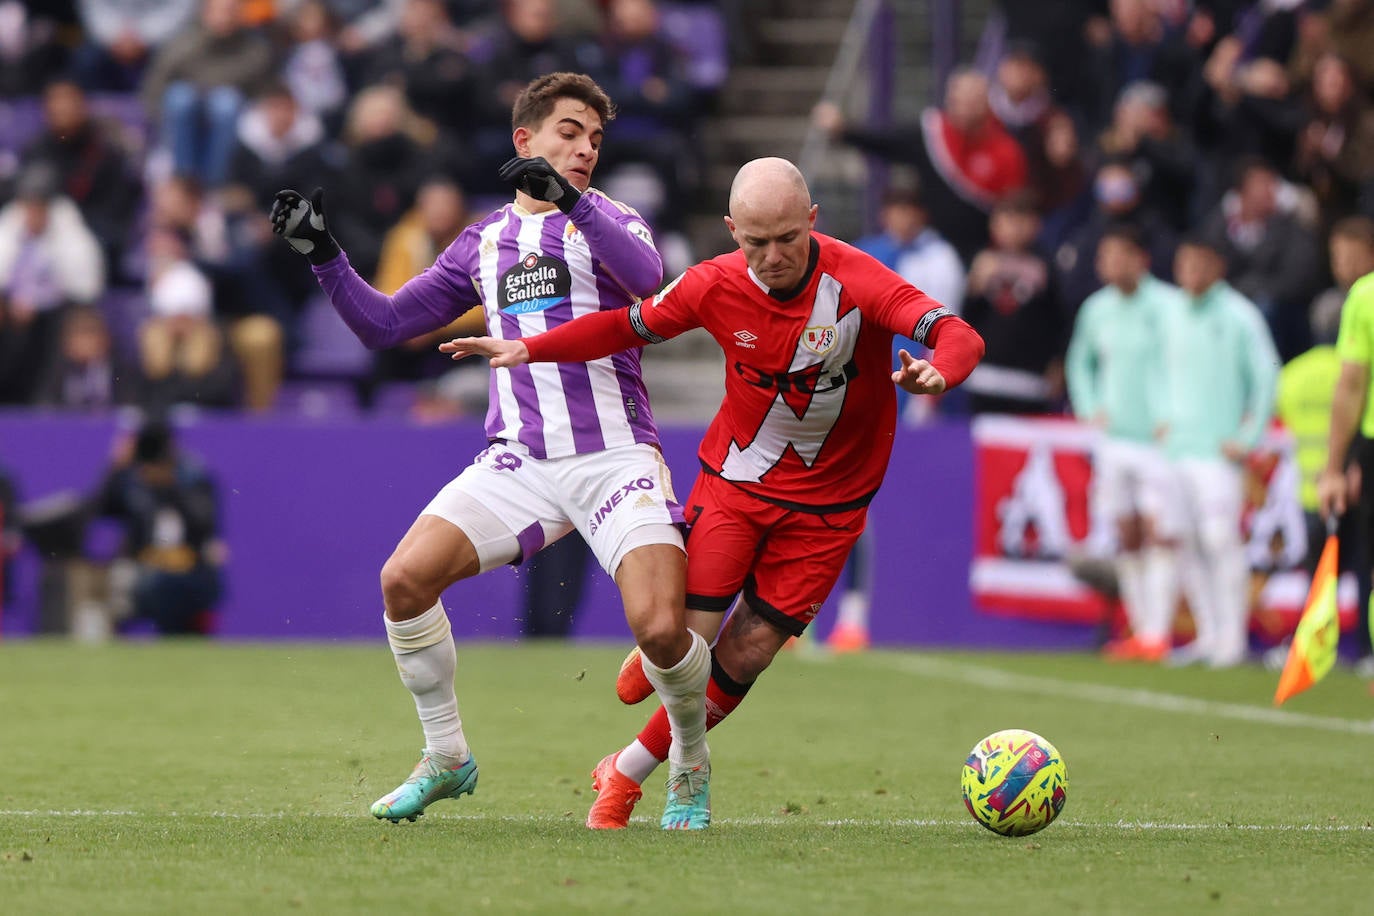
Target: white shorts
(1132, 478)
(511, 504)
(1208, 499)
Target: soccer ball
(1014, 782)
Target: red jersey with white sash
(810, 408)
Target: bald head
(769, 184)
(771, 218)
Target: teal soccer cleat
(689, 800)
(427, 784)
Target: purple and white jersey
(531, 272)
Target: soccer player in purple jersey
(572, 445)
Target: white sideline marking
(781, 820)
(983, 676)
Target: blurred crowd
(142, 141)
(1248, 122)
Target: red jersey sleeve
(675, 309)
(665, 315)
(957, 348)
(890, 300)
(585, 338)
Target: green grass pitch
(180, 778)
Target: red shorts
(784, 560)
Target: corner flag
(1313, 651)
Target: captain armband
(637, 322)
(927, 322)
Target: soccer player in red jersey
(801, 441)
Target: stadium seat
(699, 32)
(328, 348)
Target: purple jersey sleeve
(425, 303)
(621, 243)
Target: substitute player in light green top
(1217, 376)
(1113, 370)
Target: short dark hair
(1124, 232)
(903, 197)
(1199, 239)
(1025, 202)
(1243, 166)
(1356, 228)
(153, 443)
(536, 101)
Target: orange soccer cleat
(1134, 649)
(630, 684)
(616, 795)
(848, 639)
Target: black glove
(301, 222)
(541, 181)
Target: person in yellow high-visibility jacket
(1352, 408)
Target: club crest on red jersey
(819, 339)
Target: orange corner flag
(1313, 652)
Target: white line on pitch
(796, 819)
(982, 676)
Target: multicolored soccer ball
(1014, 782)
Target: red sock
(656, 735)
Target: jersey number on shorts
(810, 394)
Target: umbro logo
(746, 339)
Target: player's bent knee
(662, 639)
(405, 591)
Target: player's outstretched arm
(425, 303)
(501, 354)
(956, 350)
(586, 338)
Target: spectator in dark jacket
(384, 165)
(1117, 199)
(169, 507)
(279, 145)
(88, 373)
(1142, 134)
(646, 76)
(1134, 44)
(427, 59)
(1275, 259)
(92, 169)
(1335, 148)
(528, 41)
(1011, 302)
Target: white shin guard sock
(427, 659)
(1159, 588)
(682, 690)
(1231, 599)
(1197, 588)
(1130, 577)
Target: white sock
(682, 691)
(1231, 599)
(1159, 592)
(1201, 604)
(427, 659)
(636, 762)
(853, 611)
(1130, 577)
